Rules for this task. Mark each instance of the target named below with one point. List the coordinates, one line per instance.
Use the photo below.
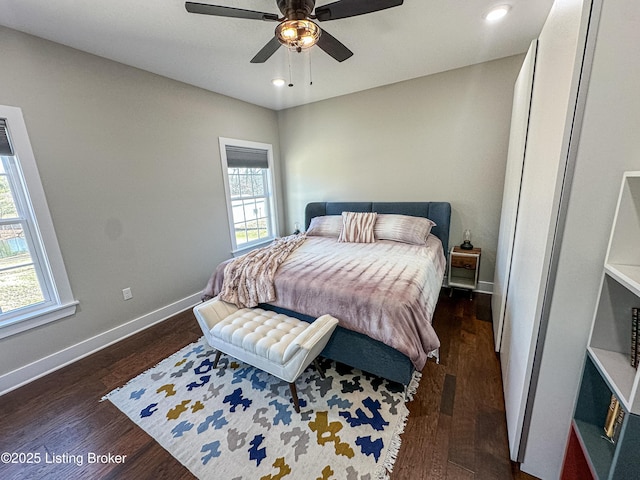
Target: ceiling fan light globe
(298, 34)
(308, 40)
(289, 33)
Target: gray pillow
(325, 226)
(403, 228)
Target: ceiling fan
(296, 29)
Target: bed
(385, 325)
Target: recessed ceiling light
(278, 82)
(497, 13)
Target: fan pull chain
(289, 59)
(310, 71)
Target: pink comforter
(386, 290)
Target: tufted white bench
(278, 344)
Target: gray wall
(608, 146)
(130, 166)
(441, 137)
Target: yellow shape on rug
(326, 432)
(283, 468)
(178, 410)
(326, 473)
(169, 389)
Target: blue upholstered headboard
(439, 212)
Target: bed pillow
(357, 227)
(403, 228)
(325, 226)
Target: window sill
(35, 319)
(253, 246)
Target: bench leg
(294, 395)
(319, 369)
(215, 362)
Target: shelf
(589, 419)
(599, 451)
(627, 275)
(620, 375)
(577, 463)
(608, 370)
(462, 282)
(610, 340)
(623, 243)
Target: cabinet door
(554, 101)
(512, 182)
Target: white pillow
(325, 226)
(357, 227)
(403, 228)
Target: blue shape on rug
(255, 453)
(137, 394)
(234, 399)
(205, 366)
(283, 415)
(376, 421)
(197, 349)
(212, 448)
(369, 447)
(182, 427)
(203, 381)
(336, 401)
(149, 410)
(216, 420)
(240, 375)
(256, 383)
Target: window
(34, 288)
(250, 192)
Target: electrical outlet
(126, 293)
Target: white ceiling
(419, 38)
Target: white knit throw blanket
(248, 280)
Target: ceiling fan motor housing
(296, 9)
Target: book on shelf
(617, 427)
(612, 416)
(613, 422)
(635, 351)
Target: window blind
(245, 157)
(5, 145)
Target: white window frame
(46, 254)
(272, 200)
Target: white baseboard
(484, 287)
(23, 375)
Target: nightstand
(464, 267)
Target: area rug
(236, 422)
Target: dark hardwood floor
(456, 429)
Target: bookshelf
(608, 370)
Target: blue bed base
(353, 348)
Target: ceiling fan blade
(333, 47)
(352, 8)
(266, 51)
(220, 11)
